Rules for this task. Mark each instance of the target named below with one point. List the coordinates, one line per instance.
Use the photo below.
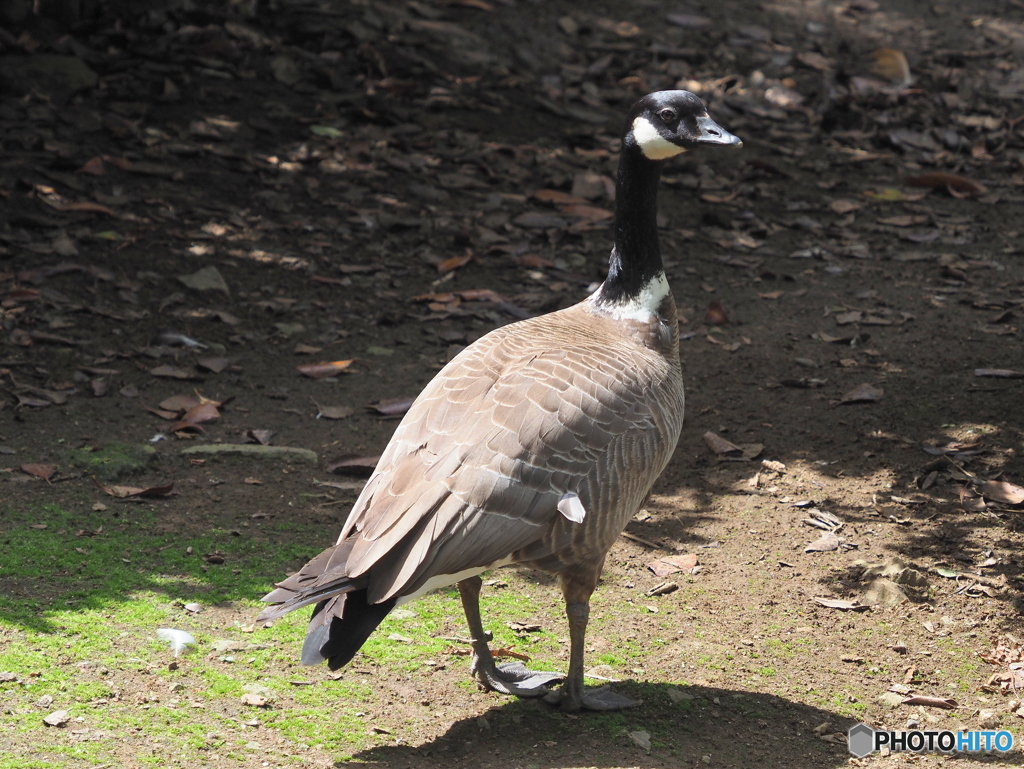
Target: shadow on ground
(704, 721)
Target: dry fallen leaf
(672, 564)
(171, 372)
(1002, 373)
(262, 437)
(163, 413)
(466, 294)
(721, 446)
(1006, 650)
(716, 315)
(891, 195)
(997, 491)
(44, 336)
(324, 370)
(86, 205)
(838, 603)
(843, 207)
(903, 221)
(588, 212)
(200, 414)
(354, 465)
(46, 472)
(688, 21)
(36, 403)
(971, 500)
(521, 626)
(956, 448)
(118, 162)
(205, 279)
(180, 403)
(507, 652)
(334, 412)
(129, 492)
(538, 220)
(93, 167)
(891, 64)
(214, 365)
(952, 182)
(342, 485)
(933, 702)
(863, 393)
(479, 5)
(558, 197)
(447, 265)
(391, 407)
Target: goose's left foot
(512, 677)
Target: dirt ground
(364, 177)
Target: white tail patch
(571, 507)
(653, 144)
(444, 580)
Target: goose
(535, 445)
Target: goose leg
(508, 678)
(577, 586)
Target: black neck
(636, 257)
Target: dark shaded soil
(328, 160)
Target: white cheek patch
(653, 144)
(644, 307)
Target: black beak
(712, 133)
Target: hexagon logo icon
(860, 740)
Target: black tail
(342, 619)
(340, 626)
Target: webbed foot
(513, 678)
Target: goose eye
(668, 115)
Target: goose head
(664, 124)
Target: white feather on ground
(179, 639)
